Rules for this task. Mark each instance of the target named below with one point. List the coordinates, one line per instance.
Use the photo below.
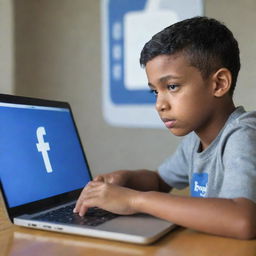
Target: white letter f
(43, 147)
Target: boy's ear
(222, 80)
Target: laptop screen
(40, 153)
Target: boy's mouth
(169, 123)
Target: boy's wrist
(139, 200)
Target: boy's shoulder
(239, 132)
(241, 121)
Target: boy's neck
(215, 127)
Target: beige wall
(58, 56)
(240, 17)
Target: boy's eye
(172, 87)
(154, 92)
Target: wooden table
(18, 241)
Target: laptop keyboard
(93, 217)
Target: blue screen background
(22, 169)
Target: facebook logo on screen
(43, 147)
(40, 153)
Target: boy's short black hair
(208, 44)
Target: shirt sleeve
(174, 170)
(239, 159)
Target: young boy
(192, 68)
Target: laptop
(43, 169)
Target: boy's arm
(226, 217)
(146, 180)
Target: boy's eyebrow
(167, 77)
(164, 79)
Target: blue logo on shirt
(199, 185)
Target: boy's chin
(179, 132)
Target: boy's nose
(162, 104)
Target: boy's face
(184, 100)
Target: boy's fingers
(86, 205)
(80, 207)
(90, 188)
(80, 200)
(77, 206)
(105, 178)
(99, 178)
(83, 210)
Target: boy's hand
(119, 178)
(107, 196)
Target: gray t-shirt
(226, 169)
